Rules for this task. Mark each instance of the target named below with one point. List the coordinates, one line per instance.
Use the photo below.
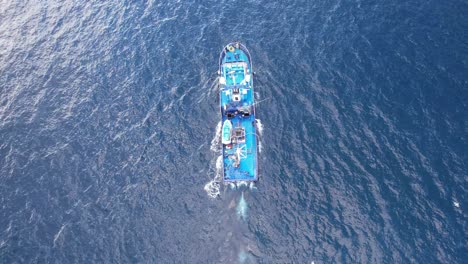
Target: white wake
(212, 188)
(260, 134)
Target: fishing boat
(237, 105)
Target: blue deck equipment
(239, 137)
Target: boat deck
(237, 99)
(248, 165)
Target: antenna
(262, 100)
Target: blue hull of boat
(238, 106)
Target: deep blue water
(108, 143)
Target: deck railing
(241, 47)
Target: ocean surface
(109, 132)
